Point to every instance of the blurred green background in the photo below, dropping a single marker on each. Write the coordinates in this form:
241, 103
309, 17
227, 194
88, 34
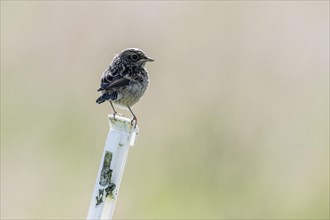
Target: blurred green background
234, 125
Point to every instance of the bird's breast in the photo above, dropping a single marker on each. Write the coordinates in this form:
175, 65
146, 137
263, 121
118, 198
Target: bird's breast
131, 94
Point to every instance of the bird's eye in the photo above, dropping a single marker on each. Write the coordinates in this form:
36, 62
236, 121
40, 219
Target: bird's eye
134, 57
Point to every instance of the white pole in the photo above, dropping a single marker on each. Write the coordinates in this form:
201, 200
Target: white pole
121, 136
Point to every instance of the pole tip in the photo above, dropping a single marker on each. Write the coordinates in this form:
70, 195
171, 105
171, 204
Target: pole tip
122, 124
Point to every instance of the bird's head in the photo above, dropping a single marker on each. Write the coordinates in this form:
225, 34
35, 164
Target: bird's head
134, 56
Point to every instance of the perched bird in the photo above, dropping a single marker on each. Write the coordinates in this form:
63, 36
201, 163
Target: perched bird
125, 80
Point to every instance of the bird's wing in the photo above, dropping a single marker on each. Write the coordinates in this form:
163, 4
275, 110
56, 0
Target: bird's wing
110, 76
111, 81
119, 82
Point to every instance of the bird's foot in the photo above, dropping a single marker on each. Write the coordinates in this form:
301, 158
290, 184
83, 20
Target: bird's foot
115, 114
134, 121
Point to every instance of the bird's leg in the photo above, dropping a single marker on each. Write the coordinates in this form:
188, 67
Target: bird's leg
114, 110
134, 117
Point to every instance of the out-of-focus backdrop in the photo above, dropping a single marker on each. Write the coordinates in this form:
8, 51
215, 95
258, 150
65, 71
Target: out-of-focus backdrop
234, 125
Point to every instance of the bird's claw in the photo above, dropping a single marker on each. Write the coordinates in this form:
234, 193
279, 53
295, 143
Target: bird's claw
116, 114
134, 121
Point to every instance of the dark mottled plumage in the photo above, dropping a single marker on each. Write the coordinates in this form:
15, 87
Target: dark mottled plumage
126, 79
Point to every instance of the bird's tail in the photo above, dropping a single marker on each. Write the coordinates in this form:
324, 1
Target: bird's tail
106, 97
100, 100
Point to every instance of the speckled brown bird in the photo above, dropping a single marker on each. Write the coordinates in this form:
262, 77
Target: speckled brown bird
125, 81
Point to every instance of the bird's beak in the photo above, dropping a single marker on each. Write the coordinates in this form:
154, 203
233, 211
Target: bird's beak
148, 59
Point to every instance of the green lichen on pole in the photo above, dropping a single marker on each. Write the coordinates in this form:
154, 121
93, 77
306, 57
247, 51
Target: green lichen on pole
105, 179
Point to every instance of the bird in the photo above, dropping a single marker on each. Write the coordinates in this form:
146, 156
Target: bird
125, 81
